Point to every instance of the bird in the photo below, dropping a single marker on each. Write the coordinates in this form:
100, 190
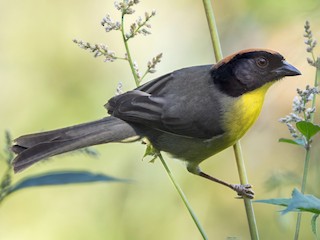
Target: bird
191, 113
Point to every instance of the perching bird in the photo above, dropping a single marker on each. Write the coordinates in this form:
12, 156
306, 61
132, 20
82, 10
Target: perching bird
192, 113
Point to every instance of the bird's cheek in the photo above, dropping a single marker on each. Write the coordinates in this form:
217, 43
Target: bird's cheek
242, 73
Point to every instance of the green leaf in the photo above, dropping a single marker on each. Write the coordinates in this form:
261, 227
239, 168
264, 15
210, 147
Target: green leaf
305, 203
276, 201
314, 224
150, 151
308, 129
62, 178
298, 141
298, 202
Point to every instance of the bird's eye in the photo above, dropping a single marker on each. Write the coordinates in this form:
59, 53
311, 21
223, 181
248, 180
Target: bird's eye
262, 62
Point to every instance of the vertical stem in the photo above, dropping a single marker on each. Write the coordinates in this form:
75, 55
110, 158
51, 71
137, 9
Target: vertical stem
125, 40
247, 202
316, 84
307, 157
237, 147
305, 171
184, 199
213, 29
303, 189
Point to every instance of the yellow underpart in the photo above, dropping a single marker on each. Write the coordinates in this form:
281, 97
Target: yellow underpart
244, 112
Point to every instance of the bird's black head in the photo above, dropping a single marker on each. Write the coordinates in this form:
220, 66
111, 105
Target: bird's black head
250, 69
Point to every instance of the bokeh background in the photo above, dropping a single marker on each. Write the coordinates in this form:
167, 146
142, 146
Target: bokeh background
47, 82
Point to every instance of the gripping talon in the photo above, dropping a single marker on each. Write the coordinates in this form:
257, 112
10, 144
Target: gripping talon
243, 190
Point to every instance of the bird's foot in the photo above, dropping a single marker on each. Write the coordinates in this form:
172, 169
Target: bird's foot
243, 190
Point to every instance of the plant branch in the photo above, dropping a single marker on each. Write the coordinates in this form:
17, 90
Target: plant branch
303, 189
237, 147
247, 202
183, 197
316, 84
315, 62
213, 30
125, 41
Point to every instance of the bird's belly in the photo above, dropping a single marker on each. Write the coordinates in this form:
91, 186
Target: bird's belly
191, 150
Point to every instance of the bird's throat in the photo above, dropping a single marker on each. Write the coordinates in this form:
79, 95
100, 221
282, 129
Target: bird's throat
244, 112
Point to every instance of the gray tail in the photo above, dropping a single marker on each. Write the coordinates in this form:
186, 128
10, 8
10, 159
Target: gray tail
35, 147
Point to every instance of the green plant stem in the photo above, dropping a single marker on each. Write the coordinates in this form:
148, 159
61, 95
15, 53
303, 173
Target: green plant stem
237, 147
305, 171
183, 197
247, 202
316, 84
303, 189
5, 182
125, 40
307, 157
213, 30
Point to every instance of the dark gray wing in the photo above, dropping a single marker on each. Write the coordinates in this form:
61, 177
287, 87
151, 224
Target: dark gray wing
183, 102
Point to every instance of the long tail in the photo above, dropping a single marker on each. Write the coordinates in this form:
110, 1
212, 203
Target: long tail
35, 147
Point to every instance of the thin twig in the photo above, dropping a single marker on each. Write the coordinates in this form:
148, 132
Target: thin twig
184, 198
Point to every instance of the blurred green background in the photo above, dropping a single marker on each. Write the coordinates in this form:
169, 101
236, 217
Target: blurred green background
48, 82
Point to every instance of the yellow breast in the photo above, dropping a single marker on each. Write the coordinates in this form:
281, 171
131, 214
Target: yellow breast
244, 112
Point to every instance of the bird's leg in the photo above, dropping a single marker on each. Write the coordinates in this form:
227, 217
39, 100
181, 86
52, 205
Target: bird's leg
242, 190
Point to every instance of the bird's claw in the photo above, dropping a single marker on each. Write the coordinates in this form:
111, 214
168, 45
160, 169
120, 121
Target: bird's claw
243, 190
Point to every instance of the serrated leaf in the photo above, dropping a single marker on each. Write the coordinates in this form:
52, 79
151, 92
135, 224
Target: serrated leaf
305, 203
314, 224
298, 202
308, 129
275, 201
62, 178
297, 141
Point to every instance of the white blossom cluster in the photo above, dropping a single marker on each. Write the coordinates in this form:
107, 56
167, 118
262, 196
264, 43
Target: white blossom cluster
300, 109
97, 49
